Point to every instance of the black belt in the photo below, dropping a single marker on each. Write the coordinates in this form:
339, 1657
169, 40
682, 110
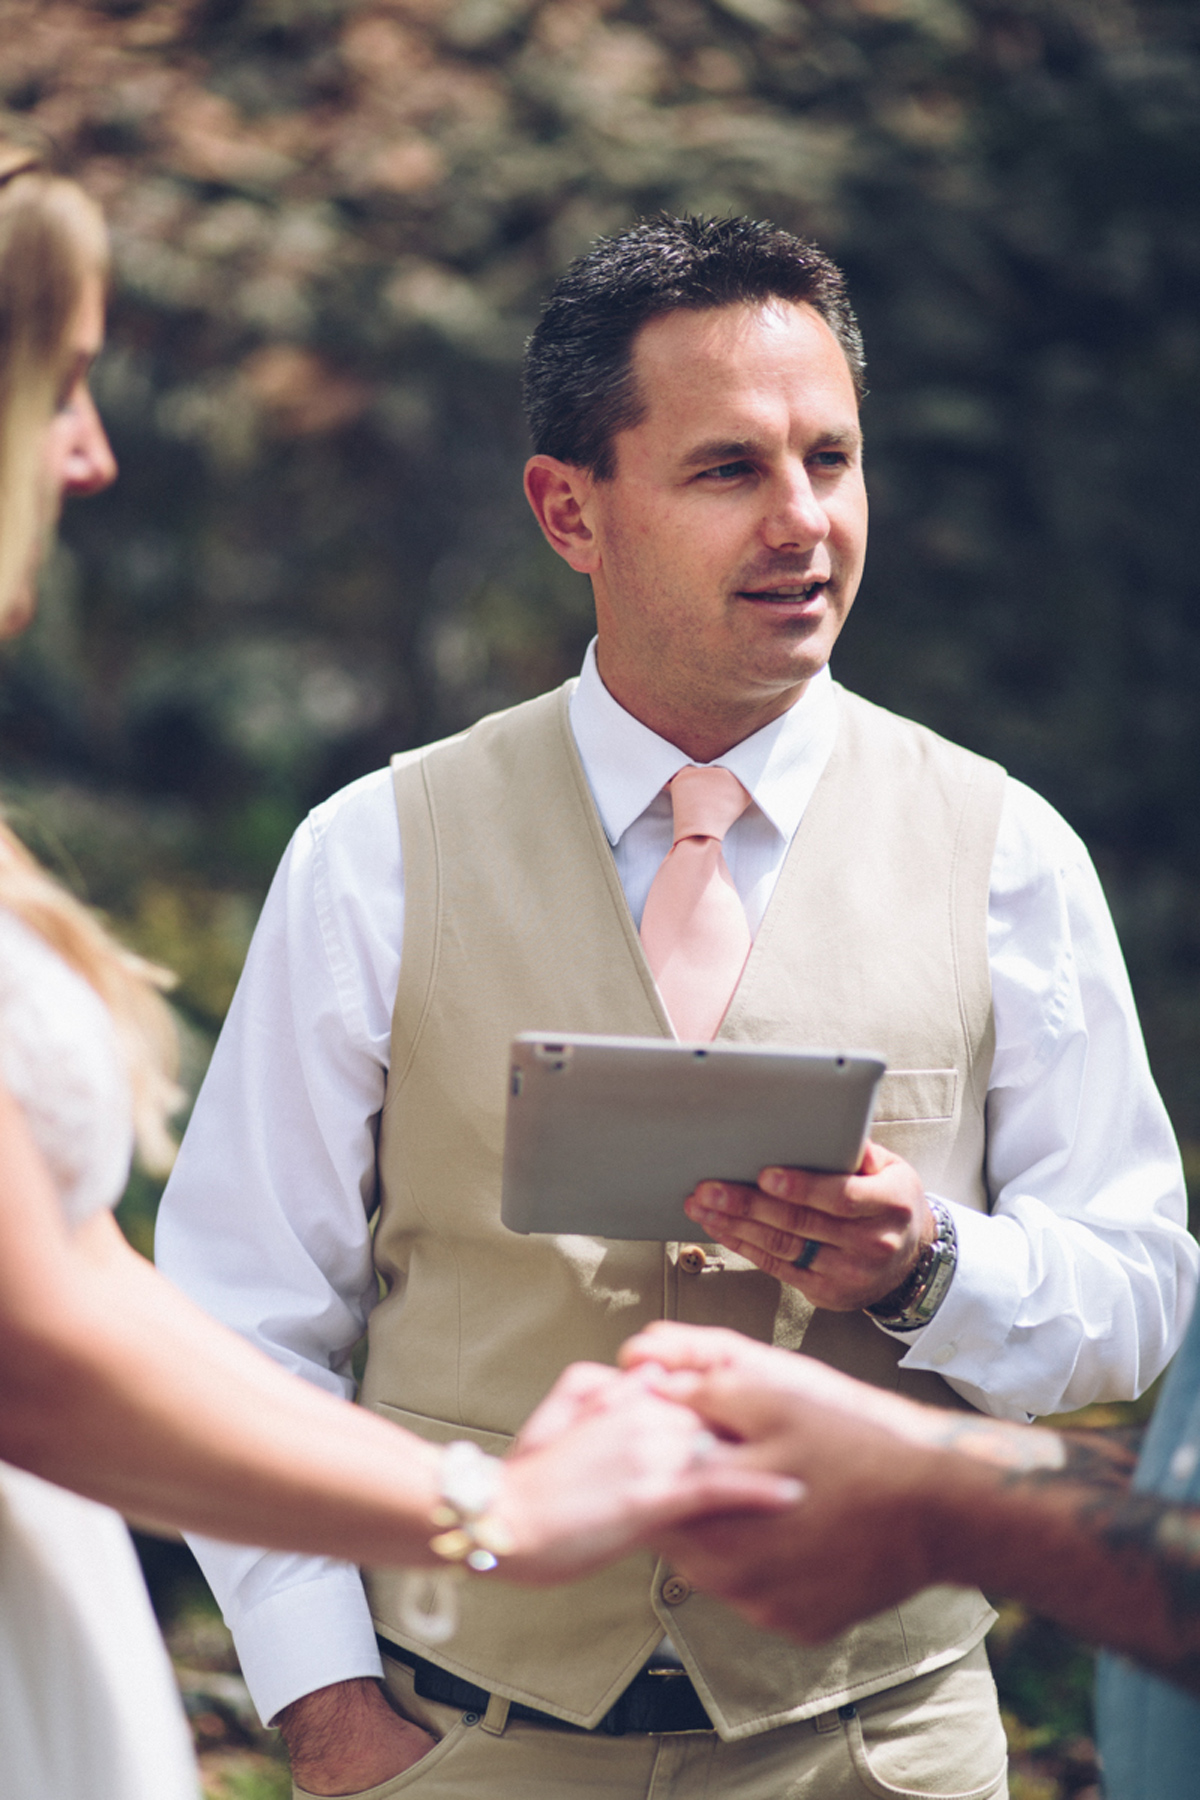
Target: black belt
656, 1700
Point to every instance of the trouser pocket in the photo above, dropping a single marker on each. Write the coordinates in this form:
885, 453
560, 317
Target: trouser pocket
937, 1738
407, 1778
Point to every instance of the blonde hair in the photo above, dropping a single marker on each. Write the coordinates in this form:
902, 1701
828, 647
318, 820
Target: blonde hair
52, 238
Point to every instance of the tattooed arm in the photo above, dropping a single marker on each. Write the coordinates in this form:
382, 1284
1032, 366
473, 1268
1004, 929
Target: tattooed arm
900, 1497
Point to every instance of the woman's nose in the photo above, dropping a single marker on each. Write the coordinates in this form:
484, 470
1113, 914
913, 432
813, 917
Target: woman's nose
88, 463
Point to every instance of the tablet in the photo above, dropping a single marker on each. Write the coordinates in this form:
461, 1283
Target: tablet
607, 1136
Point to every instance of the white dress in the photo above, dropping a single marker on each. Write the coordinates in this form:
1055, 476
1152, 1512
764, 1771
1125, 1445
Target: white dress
88, 1705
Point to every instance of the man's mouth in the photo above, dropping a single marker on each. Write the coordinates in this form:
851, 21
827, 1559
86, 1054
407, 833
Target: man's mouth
796, 593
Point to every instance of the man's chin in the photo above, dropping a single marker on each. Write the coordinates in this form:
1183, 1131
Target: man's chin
791, 657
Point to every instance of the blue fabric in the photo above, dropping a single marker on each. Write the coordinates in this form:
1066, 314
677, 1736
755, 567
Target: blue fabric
1148, 1730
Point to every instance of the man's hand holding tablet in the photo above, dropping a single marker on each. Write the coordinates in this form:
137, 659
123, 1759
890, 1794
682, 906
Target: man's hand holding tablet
869, 1227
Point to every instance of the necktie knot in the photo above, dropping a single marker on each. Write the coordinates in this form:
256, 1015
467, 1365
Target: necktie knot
706, 802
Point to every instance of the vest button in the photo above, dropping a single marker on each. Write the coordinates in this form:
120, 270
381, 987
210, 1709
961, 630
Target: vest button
675, 1590
692, 1259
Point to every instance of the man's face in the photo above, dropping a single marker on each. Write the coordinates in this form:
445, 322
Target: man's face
729, 544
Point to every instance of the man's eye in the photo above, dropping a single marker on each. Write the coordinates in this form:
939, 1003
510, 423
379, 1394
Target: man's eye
831, 459
726, 471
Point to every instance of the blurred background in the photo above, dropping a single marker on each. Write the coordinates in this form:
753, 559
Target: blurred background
333, 224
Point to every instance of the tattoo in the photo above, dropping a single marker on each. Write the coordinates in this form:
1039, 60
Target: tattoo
1102, 1459
1152, 1544
1151, 1536
1019, 1450
1168, 1536
1163, 1538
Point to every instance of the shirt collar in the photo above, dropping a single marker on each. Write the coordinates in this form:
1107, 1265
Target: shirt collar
628, 765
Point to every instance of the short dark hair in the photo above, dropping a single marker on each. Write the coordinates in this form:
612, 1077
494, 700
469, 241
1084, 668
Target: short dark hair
579, 386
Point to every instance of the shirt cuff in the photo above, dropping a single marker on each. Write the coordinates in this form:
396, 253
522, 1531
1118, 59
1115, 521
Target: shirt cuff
965, 1340
301, 1638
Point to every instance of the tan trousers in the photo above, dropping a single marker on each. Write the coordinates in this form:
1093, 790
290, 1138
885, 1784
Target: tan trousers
937, 1738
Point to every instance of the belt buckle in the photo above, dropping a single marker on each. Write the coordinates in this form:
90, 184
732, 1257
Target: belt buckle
637, 1709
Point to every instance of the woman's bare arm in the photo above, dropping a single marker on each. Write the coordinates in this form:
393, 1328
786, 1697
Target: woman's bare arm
116, 1385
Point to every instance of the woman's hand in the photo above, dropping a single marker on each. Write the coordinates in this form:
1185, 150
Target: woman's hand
605, 1463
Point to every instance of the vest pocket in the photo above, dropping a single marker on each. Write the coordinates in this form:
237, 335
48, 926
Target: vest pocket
441, 1431
916, 1097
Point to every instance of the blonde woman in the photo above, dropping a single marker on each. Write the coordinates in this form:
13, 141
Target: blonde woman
111, 1384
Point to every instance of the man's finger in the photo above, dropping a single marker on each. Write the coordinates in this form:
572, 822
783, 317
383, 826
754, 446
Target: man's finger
875, 1159
835, 1196
739, 1409
786, 1242
731, 1488
736, 1205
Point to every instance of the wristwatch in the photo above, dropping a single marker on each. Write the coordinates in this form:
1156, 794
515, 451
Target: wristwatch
915, 1301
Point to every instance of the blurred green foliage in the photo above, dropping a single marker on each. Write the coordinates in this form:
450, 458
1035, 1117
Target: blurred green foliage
333, 222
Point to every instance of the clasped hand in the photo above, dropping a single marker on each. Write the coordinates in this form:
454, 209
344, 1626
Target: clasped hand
854, 1543
662, 1452
869, 1227
605, 1463
610, 1460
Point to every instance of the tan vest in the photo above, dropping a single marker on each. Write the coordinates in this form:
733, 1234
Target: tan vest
515, 920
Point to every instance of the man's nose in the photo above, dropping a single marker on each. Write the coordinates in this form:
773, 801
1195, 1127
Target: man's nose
89, 464
795, 516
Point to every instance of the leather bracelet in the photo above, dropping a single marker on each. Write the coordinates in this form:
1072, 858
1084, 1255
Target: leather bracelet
914, 1303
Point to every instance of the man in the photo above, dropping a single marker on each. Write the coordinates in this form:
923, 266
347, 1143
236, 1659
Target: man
899, 1497
693, 395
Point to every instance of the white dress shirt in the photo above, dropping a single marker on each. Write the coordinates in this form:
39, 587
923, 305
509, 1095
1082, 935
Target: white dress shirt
1075, 1288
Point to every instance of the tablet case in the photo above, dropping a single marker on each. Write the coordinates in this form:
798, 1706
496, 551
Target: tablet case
607, 1136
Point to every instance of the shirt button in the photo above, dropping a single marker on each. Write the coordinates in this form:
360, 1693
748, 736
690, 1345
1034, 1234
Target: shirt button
943, 1354
675, 1590
692, 1259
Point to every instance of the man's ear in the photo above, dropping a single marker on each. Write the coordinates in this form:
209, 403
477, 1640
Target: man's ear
559, 493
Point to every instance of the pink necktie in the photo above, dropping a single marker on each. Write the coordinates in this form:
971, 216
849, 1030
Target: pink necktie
694, 929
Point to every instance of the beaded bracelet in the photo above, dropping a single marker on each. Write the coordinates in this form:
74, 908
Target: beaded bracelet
468, 1482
